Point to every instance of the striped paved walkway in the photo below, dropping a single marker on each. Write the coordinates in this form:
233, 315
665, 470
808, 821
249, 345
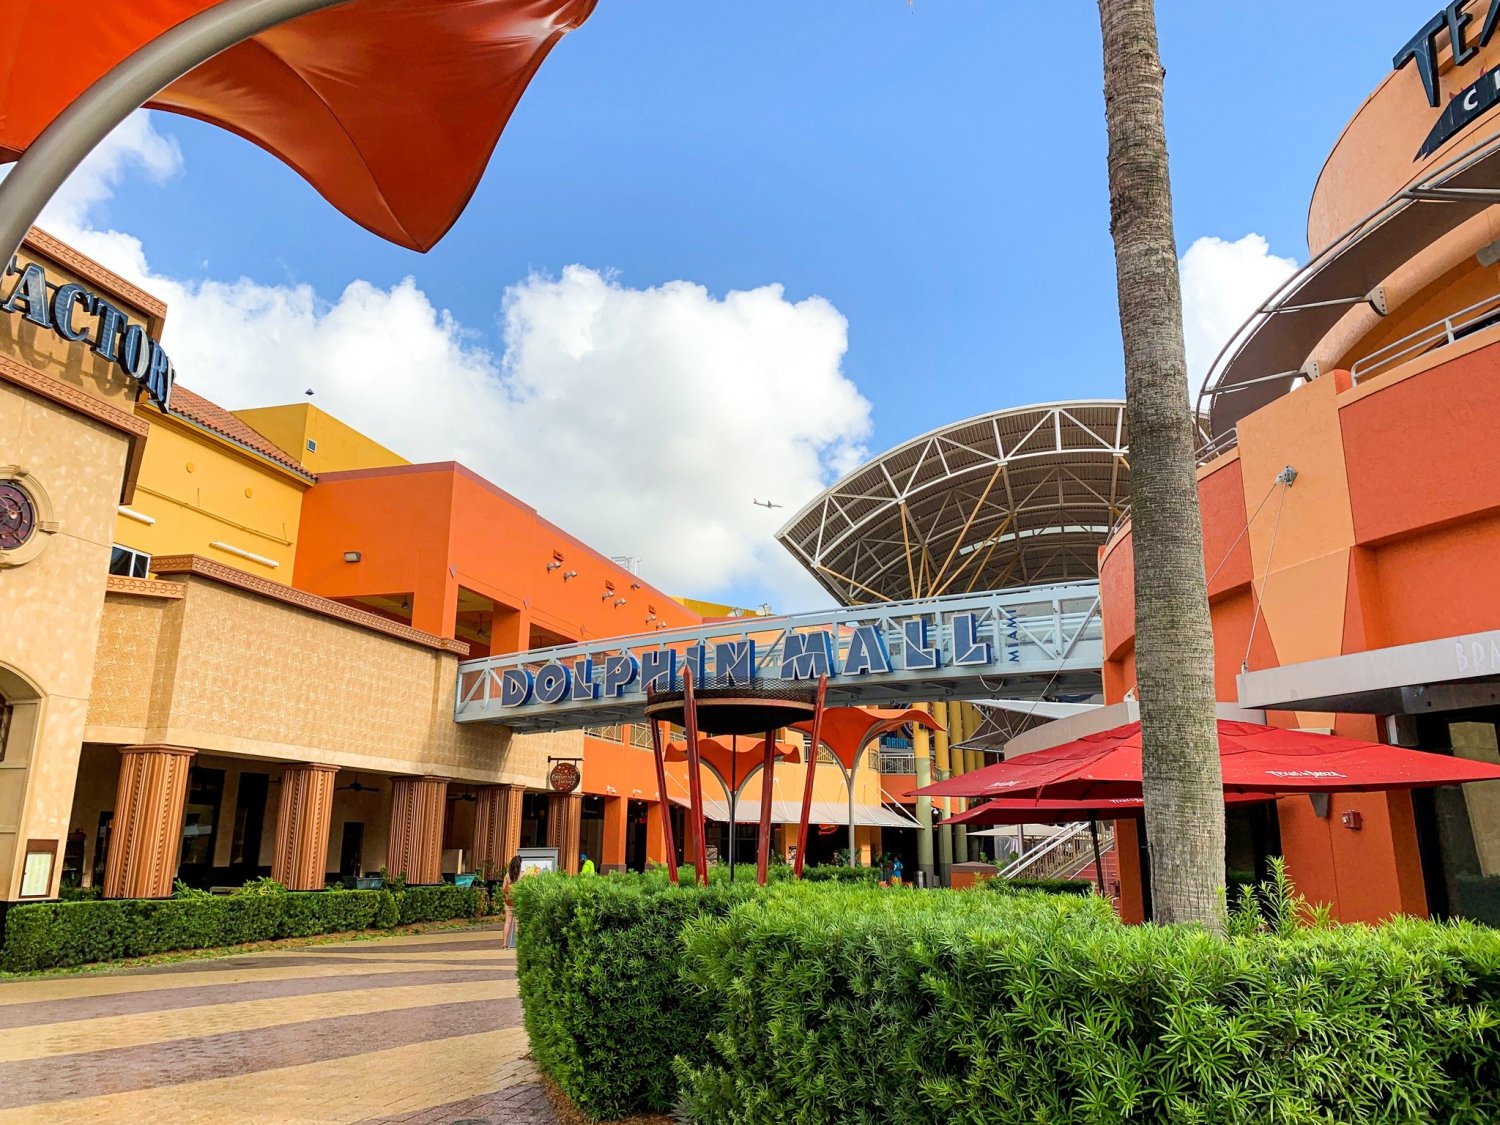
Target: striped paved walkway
413, 1028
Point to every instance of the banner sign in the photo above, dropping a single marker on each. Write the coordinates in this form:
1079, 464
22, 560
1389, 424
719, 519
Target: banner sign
67, 309
883, 653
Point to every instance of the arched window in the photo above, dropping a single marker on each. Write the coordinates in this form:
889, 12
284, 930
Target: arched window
5, 710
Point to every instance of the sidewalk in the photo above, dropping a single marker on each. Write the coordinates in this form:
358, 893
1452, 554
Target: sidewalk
411, 1028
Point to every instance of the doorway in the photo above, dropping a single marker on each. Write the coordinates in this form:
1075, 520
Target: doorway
352, 849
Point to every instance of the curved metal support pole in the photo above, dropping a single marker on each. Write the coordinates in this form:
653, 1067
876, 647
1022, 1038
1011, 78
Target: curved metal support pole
78, 129
669, 844
695, 777
814, 741
763, 843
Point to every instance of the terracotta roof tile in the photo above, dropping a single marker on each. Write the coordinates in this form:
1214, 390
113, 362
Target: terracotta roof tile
195, 408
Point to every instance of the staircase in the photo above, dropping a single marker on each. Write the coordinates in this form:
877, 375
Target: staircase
1111, 859
1069, 855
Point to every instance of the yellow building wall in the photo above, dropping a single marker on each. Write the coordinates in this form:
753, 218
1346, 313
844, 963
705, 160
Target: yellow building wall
339, 446
202, 490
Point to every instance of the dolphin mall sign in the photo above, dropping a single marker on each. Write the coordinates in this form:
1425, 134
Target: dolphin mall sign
1019, 641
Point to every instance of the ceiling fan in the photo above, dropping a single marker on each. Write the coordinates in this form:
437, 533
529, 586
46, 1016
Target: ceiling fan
356, 786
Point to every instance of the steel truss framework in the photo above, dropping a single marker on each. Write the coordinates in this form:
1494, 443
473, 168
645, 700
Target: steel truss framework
1012, 498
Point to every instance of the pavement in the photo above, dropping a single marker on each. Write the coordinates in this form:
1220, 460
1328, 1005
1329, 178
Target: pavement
411, 1028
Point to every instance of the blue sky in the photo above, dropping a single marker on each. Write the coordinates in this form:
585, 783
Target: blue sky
935, 172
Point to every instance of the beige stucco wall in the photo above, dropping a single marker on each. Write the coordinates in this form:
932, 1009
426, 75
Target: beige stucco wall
225, 670
49, 613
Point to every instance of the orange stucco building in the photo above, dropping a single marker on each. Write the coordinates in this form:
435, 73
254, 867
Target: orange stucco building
1355, 593
229, 641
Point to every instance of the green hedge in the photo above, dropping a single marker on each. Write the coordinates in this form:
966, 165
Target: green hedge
52, 935
598, 968
441, 902
831, 1003
1051, 886
874, 1007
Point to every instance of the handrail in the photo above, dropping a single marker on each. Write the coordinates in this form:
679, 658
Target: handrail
1029, 859
1438, 334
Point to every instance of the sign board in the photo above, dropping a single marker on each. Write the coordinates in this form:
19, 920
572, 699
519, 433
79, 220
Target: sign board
565, 777
82, 317
874, 654
1460, 26
538, 859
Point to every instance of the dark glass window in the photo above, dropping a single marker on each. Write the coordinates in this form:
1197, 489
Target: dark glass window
128, 563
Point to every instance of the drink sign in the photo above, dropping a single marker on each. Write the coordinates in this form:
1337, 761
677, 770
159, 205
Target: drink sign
565, 777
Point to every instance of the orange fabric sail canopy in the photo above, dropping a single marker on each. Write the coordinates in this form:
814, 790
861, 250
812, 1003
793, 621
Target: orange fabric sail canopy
389, 108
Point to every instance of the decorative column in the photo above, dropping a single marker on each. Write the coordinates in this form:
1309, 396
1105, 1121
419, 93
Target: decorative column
497, 827
942, 770
616, 833
301, 859
656, 840
146, 839
414, 845
564, 823
960, 764
922, 758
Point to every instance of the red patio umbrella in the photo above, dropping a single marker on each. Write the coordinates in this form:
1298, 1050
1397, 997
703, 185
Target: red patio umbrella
1046, 810
1255, 758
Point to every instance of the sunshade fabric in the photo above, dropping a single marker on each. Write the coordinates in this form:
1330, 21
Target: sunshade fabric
848, 730
747, 811
1255, 758
1043, 810
389, 108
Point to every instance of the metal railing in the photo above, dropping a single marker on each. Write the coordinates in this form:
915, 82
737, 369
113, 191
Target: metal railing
1061, 856
898, 763
1438, 334
609, 733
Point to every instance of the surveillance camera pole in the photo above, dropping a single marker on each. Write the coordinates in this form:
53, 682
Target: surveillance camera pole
135, 80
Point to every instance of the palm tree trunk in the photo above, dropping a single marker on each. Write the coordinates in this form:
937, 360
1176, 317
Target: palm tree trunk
1174, 639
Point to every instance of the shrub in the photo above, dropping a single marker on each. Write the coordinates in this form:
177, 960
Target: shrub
52, 935
48, 935
858, 1005
1050, 886
439, 903
598, 966
839, 873
330, 912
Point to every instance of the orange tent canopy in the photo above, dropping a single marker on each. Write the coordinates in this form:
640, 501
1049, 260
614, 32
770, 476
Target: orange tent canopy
736, 763
389, 108
848, 730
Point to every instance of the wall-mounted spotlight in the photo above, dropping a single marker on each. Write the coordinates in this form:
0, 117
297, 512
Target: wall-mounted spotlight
650, 617
619, 602
553, 565
604, 597
352, 556
569, 574
635, 585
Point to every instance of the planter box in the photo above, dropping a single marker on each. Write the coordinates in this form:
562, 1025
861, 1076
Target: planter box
362, 882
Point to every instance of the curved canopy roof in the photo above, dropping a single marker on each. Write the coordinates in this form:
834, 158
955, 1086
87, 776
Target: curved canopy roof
1263, 360
1014, 498
389, 108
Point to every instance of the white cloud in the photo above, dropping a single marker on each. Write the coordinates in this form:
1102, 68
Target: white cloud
1222, 283
642, 420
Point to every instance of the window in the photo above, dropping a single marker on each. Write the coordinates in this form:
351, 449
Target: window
312, 446
128, 563
5, 711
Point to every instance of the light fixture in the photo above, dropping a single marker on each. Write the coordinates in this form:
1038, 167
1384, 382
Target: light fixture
635, 585
619, 602
553, 565
352, 556
604, 597
569, 574
650, 617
